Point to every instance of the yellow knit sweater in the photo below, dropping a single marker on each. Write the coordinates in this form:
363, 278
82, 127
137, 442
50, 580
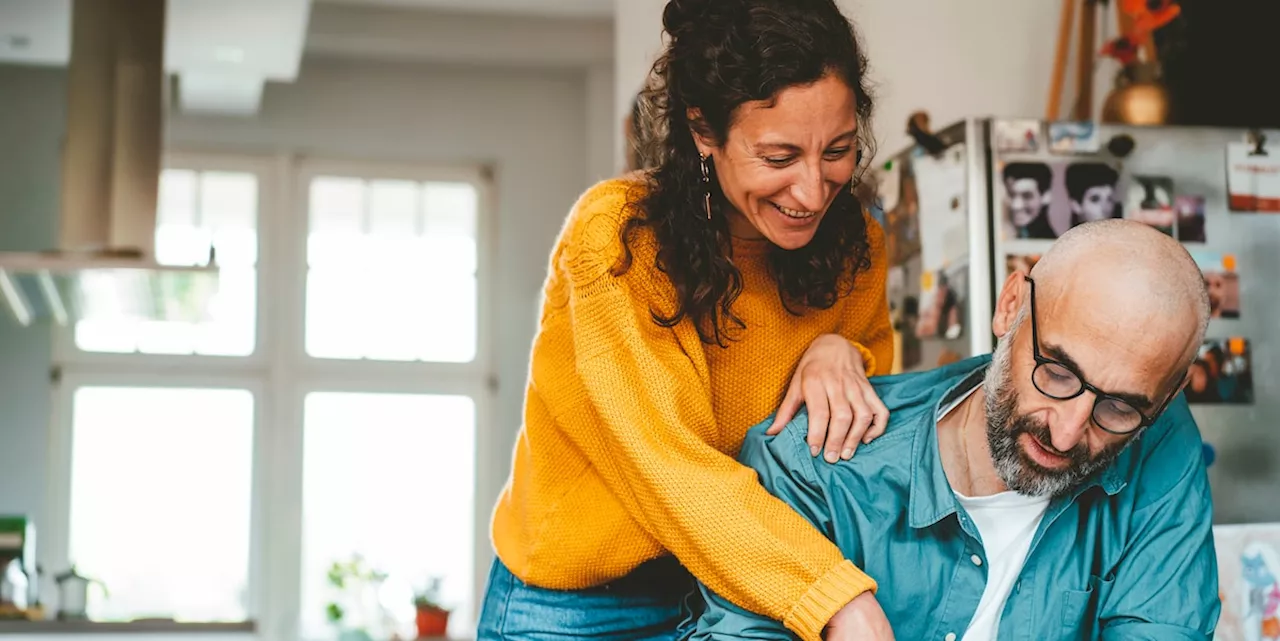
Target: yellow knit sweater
630, 432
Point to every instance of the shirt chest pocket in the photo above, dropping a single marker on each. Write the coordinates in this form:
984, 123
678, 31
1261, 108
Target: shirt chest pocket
1080, 609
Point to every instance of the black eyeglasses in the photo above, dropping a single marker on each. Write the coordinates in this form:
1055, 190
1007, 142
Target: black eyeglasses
1061, 382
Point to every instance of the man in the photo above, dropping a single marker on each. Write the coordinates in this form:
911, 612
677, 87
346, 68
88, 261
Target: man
1053, 490
1027, 190
1091, 188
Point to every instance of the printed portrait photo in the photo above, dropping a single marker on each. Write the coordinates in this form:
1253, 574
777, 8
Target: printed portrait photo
1222, 281
1150, 201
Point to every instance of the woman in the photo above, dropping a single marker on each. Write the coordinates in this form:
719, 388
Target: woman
682, 307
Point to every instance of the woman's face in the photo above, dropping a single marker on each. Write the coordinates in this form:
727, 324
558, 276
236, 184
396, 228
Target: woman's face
783, 162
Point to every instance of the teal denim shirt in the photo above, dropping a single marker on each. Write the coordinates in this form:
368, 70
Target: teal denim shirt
1127, 556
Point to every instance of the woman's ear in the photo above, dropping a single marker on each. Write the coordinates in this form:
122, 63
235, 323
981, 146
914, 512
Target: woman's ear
697, 125
1009, 303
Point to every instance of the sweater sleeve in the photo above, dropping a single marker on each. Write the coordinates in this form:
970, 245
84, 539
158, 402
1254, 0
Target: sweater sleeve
645, 428
866, 316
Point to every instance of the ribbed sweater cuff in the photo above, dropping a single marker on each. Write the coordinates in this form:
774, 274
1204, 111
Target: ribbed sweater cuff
831, 592
868, 359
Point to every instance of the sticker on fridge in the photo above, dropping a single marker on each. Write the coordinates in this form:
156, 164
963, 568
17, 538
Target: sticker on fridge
1150, 200
1074, 138
1223, 282
1190, 210
1222, 373
1248, 581
1253, 179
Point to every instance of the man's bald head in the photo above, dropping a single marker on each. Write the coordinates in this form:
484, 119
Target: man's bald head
1140, 277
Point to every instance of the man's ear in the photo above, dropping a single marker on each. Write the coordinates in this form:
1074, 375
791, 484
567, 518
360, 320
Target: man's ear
697, 127
1009, 303
1047, 197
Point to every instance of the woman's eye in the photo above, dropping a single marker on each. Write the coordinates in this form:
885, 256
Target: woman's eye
779, 161
837, 154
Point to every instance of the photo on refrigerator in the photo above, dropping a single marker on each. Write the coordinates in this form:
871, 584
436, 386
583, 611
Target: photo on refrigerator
1222, 373
1223, 282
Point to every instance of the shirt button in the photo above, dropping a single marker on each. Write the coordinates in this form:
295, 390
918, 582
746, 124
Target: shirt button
951, 636
977, 560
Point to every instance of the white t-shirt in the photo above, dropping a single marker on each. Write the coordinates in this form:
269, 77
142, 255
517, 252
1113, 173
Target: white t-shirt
1006, 522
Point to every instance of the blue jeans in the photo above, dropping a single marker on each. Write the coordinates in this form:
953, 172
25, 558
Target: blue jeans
652, 603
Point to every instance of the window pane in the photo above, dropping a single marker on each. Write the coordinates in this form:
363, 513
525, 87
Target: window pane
198, 211
392, 270
390, 478
160, 501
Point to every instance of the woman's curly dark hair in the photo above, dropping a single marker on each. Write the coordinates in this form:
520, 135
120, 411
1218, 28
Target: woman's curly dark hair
721, 54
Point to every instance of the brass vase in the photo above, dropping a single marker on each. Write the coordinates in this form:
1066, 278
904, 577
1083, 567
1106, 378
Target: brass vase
1138, 98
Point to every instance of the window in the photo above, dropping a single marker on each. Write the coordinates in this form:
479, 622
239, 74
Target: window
160, 496
387, 478
199, 211
392, 270
330, 405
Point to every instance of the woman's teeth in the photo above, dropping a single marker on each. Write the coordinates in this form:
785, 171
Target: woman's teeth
794, 213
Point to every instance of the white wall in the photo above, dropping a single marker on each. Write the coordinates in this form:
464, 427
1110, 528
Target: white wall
954, 59
637, 29
32, 121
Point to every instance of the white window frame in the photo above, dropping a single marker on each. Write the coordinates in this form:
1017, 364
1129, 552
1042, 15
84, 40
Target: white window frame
280, 374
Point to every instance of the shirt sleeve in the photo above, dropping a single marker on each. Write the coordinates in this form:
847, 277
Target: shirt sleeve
645, 427
785, 468
866, 318
1167, 585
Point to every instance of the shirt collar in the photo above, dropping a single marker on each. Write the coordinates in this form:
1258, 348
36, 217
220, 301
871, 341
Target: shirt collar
931, 498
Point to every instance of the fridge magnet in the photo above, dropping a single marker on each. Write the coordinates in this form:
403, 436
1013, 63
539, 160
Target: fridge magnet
1091, 192
1190, 211
1074, 138
1026, 200
904, 313
1150, 200
1223, 283
1253, 178
1022, 263
1222, 373
1249, 581
1017, 136
942, 310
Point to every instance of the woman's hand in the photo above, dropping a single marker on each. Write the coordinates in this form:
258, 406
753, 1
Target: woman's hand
844, 410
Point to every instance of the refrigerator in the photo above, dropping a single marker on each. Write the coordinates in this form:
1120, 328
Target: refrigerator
987, 195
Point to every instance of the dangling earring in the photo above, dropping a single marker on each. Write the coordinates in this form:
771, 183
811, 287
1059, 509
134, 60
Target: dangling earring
706, 184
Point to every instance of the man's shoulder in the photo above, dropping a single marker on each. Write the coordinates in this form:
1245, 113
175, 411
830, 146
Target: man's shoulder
1167, 458
911, 399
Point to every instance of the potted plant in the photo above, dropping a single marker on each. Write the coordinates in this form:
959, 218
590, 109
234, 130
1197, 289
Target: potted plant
355, 609
432, 617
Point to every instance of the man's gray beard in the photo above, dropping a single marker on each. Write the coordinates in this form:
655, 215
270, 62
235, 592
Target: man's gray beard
1004, 426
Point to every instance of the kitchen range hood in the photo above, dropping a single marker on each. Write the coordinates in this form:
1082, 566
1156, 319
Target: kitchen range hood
104, 264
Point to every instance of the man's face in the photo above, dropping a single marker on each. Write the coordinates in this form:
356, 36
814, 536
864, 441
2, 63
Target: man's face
1022, 442
1098, 203
1042, 446
1025, 200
